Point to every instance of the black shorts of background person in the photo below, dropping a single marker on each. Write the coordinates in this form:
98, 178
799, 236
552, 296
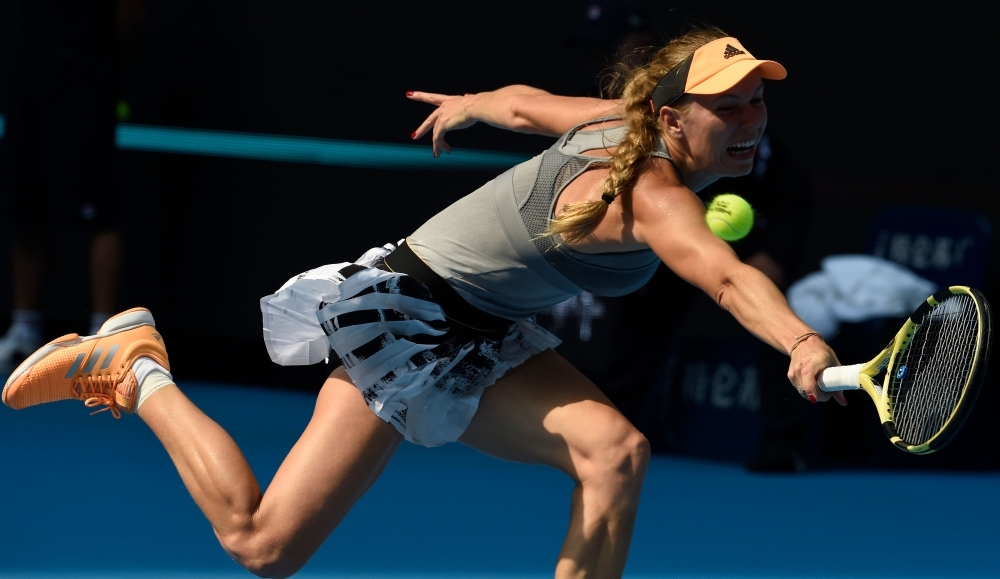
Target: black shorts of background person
58, 161
61, 162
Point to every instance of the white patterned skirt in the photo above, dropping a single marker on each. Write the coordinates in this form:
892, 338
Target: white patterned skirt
417, 370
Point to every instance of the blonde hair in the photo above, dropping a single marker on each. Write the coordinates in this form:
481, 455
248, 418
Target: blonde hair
634, 86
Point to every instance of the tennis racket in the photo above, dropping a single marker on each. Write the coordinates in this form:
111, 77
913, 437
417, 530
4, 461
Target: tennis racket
925, 382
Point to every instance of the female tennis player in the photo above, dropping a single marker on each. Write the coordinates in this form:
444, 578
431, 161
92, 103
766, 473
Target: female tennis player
436, 333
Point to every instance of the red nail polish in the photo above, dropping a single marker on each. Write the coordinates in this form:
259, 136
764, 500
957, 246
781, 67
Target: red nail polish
413, 135
409, 93
812, 399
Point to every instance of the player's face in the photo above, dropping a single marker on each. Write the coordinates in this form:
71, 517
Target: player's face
722, 131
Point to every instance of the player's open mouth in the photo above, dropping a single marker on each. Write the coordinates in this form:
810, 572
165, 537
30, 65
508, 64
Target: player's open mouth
742, 148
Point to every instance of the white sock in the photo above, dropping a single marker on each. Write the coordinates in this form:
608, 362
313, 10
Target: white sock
151, 377
97, 320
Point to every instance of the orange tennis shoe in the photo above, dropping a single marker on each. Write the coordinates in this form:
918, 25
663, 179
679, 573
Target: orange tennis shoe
94, 369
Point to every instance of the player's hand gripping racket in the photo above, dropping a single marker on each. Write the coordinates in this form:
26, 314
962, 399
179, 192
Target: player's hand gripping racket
925, 382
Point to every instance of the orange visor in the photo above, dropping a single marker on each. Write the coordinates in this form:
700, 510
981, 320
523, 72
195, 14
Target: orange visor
712, 69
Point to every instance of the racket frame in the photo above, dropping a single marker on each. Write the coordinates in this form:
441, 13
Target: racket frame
886, 361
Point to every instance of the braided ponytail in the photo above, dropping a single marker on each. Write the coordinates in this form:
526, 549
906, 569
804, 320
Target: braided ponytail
633, 86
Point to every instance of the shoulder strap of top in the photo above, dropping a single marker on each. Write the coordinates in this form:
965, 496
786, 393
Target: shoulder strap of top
575, 141
569, 134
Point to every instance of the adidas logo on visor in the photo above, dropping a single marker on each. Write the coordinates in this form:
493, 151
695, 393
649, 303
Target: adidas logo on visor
732, 51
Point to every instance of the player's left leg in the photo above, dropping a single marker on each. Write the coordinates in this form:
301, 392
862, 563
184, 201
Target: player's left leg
545, 411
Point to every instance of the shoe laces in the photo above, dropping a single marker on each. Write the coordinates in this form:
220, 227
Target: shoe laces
98, 391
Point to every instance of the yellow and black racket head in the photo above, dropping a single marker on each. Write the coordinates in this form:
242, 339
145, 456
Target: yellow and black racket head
935, 374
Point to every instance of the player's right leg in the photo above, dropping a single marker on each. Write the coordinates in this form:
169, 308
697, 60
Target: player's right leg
341, 453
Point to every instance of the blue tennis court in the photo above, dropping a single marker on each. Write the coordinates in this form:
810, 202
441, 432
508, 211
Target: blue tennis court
93, 497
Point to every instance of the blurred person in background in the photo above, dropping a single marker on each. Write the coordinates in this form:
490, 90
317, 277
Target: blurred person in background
59, 157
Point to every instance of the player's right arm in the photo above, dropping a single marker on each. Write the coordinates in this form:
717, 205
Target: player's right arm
671, 221
518, 108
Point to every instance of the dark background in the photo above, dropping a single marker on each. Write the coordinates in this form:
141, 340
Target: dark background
885, 103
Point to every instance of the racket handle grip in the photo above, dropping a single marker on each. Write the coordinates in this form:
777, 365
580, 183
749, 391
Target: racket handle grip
840, 378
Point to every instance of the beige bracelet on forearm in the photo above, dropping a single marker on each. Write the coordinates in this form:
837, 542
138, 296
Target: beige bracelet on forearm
802, 338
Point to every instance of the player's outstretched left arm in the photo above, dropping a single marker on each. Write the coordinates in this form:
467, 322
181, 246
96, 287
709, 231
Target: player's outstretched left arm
518, 108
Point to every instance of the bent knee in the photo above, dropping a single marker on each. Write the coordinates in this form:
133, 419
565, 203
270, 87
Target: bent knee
262, 556
633, 454
620, 457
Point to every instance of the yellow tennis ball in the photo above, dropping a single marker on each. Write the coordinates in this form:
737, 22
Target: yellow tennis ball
729, 216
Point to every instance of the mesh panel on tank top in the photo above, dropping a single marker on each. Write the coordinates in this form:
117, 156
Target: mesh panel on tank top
554, 172
601, 278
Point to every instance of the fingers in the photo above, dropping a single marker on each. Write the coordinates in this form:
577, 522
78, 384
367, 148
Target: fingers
805, 393
804, 379
435, 123
427, 97
426, 125
807, 362
813, 393
806, 388
439, 142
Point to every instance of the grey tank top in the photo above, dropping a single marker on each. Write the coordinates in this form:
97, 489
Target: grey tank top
488, 245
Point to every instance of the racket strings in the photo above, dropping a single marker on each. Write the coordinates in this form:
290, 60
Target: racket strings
927, 382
